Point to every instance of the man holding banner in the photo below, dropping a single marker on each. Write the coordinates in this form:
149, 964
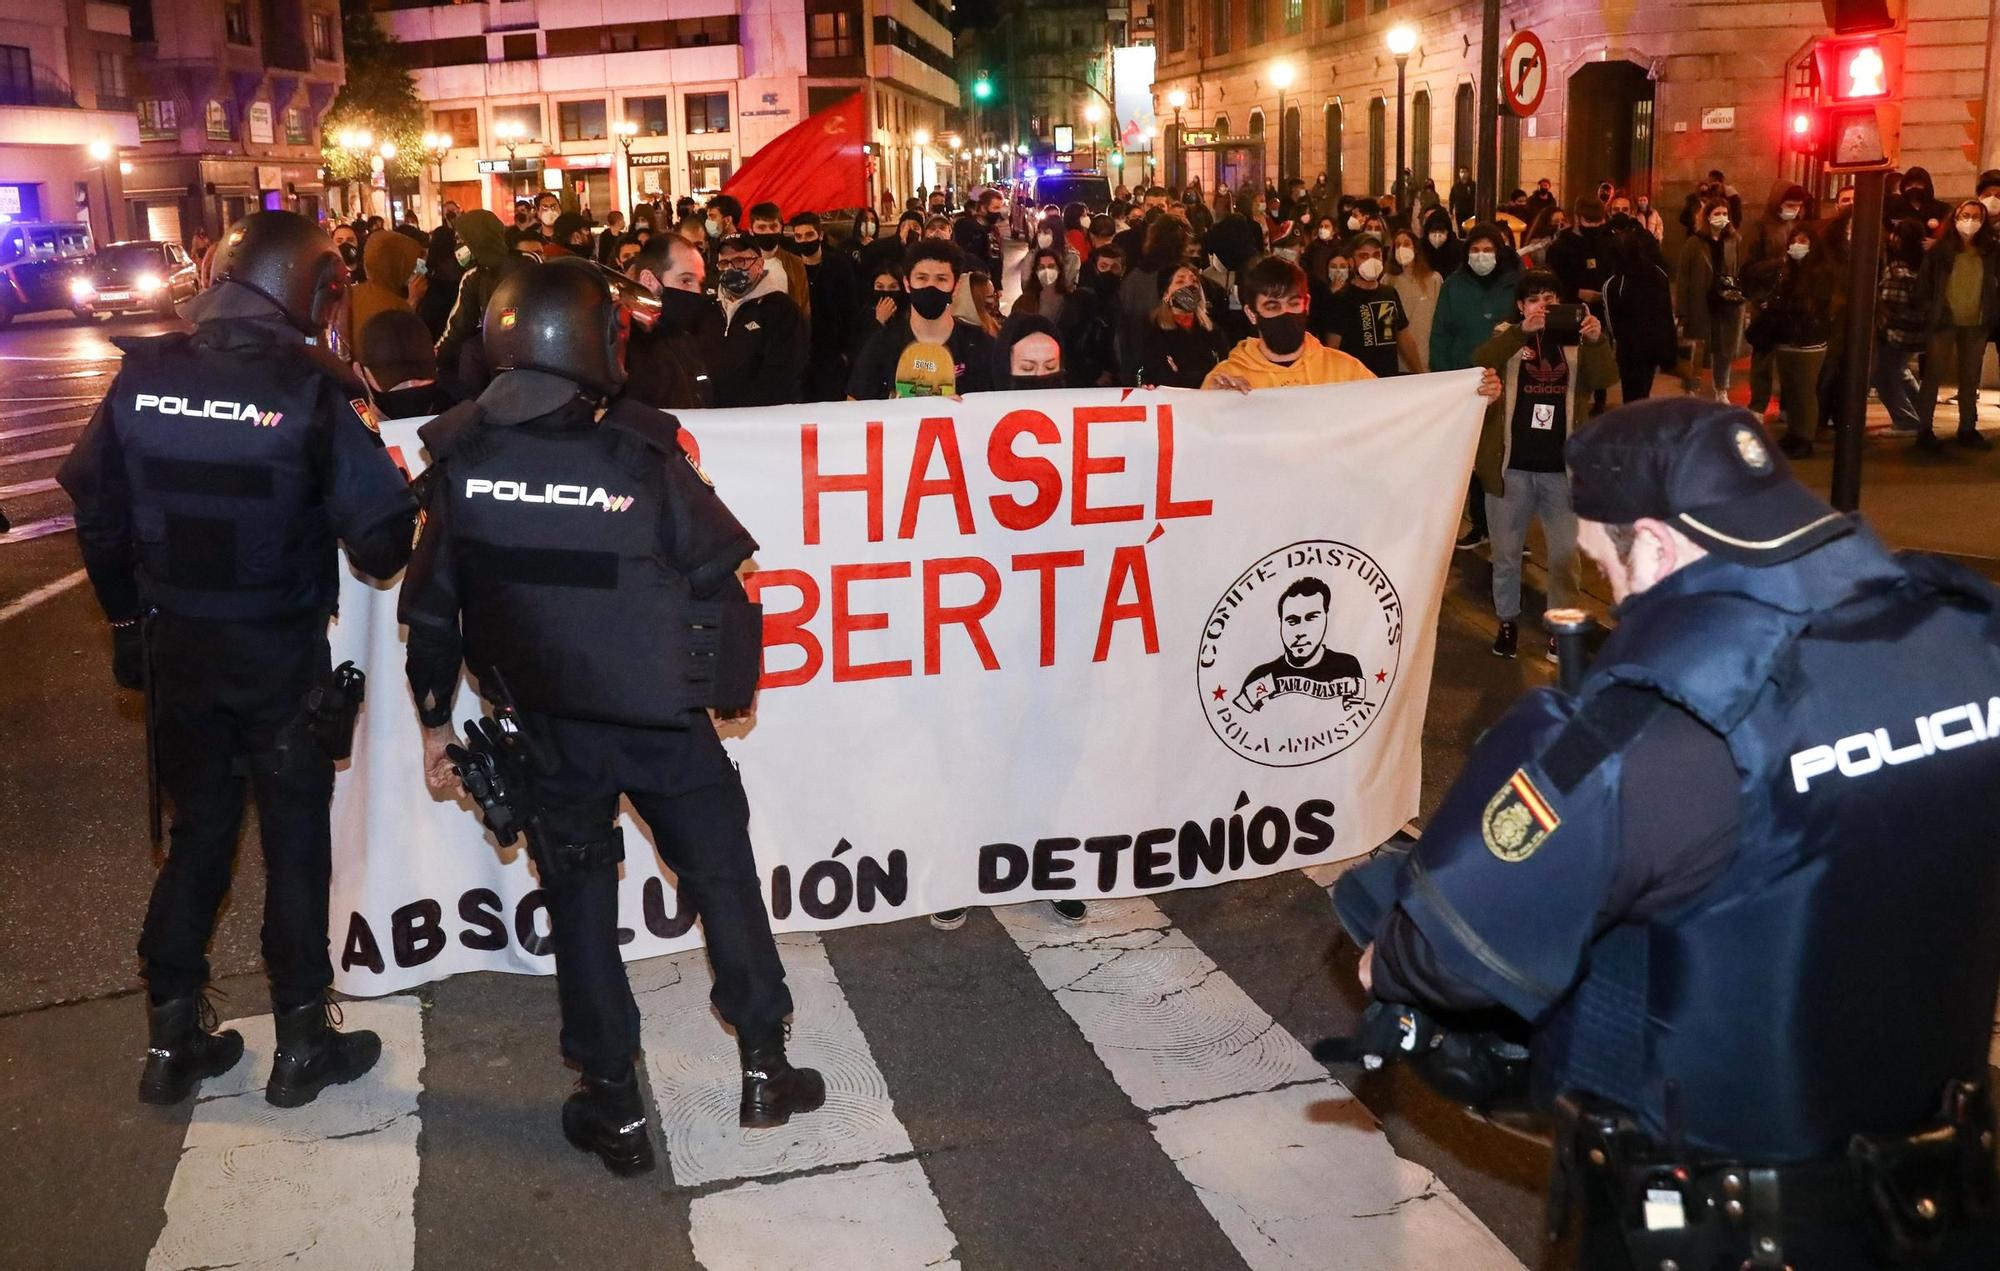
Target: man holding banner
588, 569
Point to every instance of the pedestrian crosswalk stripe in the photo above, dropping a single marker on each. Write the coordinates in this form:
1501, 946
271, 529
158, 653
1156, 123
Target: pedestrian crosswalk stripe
1283, 1157
330, 1185
691, 1065
33, 456
879, 1215
808, 1220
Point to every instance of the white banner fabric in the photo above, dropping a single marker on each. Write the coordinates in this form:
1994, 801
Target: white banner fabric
1053, 645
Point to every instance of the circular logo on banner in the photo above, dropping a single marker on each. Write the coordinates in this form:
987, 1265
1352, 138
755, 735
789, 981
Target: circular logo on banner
1300, 654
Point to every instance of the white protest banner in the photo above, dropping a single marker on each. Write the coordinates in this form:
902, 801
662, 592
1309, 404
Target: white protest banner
1025, 645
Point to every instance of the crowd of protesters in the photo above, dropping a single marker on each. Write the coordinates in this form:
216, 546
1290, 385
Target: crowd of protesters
1261, 287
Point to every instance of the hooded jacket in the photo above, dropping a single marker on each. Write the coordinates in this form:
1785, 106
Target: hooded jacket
388, 259
458, 351
1470, 308
1316, 364
1924, 207
758, 357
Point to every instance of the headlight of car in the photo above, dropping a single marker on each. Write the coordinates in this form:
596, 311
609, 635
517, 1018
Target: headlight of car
80, 289
148, 284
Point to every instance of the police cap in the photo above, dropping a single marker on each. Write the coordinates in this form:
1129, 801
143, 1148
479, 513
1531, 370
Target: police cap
1707, 469
560, 317
290, 261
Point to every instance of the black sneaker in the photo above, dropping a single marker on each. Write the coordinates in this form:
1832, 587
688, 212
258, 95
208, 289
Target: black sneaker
1070, 911
1474, 537
948, 919
1795, 447
1508, 641
1970, 440
1927, 441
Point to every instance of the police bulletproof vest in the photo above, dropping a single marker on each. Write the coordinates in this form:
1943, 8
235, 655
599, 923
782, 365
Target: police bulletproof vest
219, 448
1843, 969
566, 586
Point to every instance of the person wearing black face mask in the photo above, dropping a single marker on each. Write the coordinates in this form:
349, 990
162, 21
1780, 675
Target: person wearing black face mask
977, 233
883, 303
835, 293
760, 359
667, 365
930, 275
1183, 343
1028, 354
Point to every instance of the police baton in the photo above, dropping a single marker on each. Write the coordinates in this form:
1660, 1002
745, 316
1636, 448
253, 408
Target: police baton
1571, 627
152, 729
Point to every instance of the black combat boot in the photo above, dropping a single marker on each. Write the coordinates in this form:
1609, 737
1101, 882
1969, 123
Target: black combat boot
182, 1049
606, 1117
312, 1055
773, 1090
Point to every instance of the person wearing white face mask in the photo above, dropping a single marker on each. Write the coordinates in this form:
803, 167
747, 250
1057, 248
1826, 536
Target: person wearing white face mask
1417, 286
1961, 276
1796, 324
1476, 300
1366, 319
1708, 295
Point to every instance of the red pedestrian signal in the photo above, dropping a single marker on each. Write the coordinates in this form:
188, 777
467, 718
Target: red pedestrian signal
1861, 79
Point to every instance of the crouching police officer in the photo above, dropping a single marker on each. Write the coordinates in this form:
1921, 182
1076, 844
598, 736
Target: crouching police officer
210, 489
586, 572
1742, 883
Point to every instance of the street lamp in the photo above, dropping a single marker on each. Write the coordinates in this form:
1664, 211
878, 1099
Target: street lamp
510, 133
626, 131
101, 152
1281, 79
1093, 115
1178, 99
1402, 41
356, 142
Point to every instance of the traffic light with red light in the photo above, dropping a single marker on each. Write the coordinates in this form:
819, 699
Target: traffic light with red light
1802, 128
1861, 78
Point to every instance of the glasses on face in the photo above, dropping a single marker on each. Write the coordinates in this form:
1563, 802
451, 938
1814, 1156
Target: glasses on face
735, 262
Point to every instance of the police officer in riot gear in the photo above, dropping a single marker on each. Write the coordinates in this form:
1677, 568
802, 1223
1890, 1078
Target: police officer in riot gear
1741, 883
211, 489
578, 560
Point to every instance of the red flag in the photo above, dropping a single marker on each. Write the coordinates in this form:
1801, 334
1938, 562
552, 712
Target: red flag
814, 166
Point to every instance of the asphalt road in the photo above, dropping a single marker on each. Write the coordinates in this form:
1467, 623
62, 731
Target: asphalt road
1033, 1151
990, 1115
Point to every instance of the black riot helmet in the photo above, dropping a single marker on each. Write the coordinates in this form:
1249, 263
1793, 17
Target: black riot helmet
560, 317
288, 260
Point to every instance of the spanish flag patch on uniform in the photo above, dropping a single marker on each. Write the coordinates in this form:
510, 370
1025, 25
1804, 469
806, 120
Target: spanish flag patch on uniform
1517, 819
367, 413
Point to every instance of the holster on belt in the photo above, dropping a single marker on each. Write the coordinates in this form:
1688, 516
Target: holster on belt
1912, 1191
322, 730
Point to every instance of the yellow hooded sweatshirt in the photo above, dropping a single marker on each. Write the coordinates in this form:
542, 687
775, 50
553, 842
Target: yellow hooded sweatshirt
1316, 364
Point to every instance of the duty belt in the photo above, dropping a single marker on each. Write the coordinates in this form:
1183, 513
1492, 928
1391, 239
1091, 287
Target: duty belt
1911, 1191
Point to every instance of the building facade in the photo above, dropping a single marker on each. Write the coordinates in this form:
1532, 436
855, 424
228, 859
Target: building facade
65, 113
1648, 96
531, 92
228, 96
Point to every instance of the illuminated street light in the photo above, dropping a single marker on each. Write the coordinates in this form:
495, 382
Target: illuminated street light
1093, 114
387, 151
100, 150
921, 137
1281, 75
1177, 99
1402, 41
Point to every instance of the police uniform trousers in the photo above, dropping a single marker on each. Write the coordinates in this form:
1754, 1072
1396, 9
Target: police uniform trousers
1849, 1246
684, 788
222, 691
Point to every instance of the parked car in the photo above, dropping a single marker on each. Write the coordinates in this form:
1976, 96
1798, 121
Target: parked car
38, 260
1062, 188
139, 276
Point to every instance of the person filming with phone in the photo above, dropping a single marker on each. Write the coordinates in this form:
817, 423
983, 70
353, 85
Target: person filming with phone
1550, 361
